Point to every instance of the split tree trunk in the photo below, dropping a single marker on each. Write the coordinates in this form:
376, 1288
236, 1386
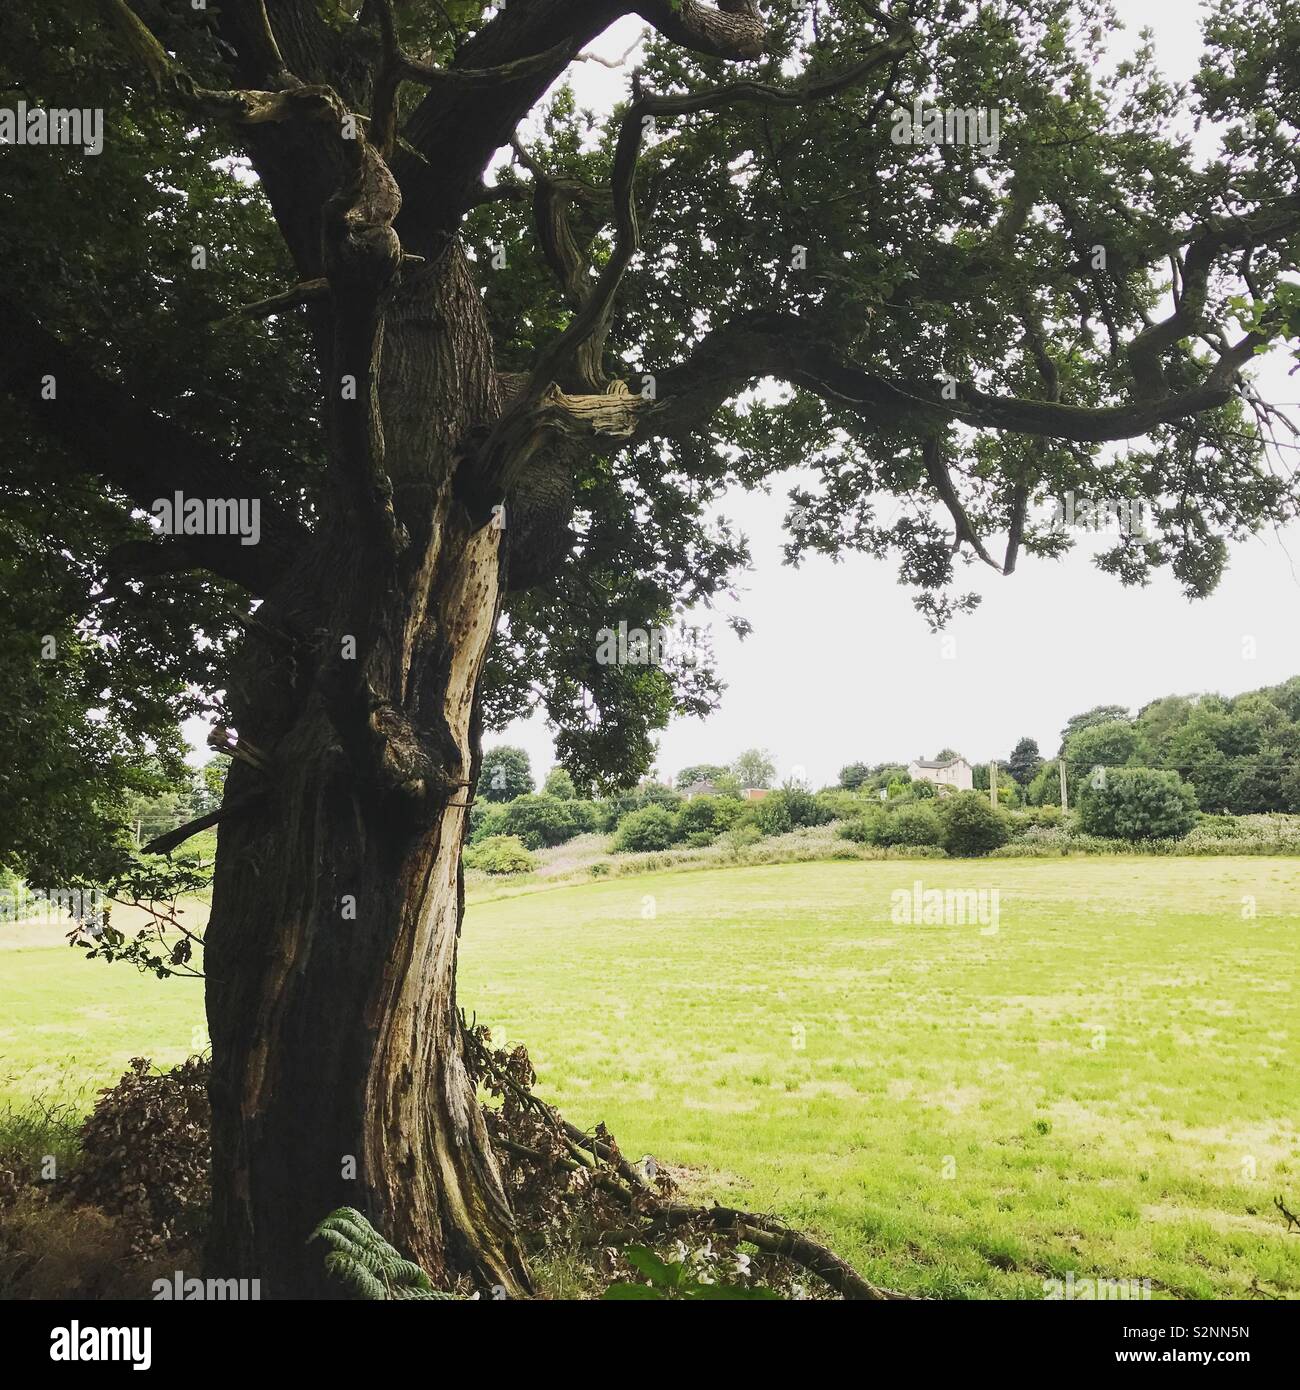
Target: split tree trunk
331, 952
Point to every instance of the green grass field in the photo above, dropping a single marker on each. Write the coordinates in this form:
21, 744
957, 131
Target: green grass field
1106, 1085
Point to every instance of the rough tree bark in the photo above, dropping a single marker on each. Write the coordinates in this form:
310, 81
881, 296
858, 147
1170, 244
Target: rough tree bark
331, 951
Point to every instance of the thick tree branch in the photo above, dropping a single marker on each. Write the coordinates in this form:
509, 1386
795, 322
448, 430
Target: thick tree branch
789, 348
568, 262
456, 129
308, 292
734, 29
1187, 319
941, 481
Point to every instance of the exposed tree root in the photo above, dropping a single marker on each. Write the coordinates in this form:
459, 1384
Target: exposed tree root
561, 1177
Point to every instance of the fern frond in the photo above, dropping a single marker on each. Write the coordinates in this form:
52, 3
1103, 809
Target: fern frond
364, 1263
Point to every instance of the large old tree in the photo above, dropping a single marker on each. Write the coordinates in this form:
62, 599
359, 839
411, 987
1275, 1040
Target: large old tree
487, 363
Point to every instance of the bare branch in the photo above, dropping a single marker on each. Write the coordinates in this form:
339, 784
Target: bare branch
171, 839
308, 292
941, 481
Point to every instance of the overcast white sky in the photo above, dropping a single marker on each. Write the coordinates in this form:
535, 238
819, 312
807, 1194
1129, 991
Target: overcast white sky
841, 667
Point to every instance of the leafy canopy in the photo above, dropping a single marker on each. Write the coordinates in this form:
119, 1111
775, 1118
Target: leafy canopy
806, 291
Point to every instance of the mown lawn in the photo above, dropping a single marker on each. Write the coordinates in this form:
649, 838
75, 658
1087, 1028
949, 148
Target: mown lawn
69, 1026
1107, 1085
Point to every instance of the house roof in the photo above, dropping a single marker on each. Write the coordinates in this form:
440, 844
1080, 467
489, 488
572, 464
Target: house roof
946, 762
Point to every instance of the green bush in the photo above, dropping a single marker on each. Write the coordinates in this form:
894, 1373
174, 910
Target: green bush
613, 808
803, 807
484, 820
913, 823
657, 794
971, 826
1045, 789
1138, 803
500, 854
650, 828
559, 785
772, 814
834, 804
697, 821
539, 820
865, 829
585, 814
740, 838
1221, 828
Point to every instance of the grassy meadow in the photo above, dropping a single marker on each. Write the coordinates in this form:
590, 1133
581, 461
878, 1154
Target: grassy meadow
1106, 1084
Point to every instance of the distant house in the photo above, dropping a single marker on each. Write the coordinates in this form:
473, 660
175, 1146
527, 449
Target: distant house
702, 787
754, 793
951, 774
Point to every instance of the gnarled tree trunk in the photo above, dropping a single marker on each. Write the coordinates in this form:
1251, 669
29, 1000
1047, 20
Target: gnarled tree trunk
331, 951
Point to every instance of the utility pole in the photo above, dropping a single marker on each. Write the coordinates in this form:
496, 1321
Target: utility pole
993, 785
1065, 798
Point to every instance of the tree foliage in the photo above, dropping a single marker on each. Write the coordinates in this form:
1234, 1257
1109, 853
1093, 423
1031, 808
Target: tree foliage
754, 768
970, 826
975, 262
1139, 803
506, 774
1024, 762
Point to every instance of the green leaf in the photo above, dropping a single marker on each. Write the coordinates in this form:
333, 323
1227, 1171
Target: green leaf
645, 1260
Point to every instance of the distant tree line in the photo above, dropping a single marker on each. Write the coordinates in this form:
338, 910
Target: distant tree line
1238, 755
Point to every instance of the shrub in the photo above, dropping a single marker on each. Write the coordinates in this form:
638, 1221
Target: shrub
1221, 828
657, 794
613, 808
834, 804
484, 820
586, 815
913, 823
650, 828
1138, 803
804, 807
739, 838
697, 821
772, 814
500, 854
51, 1249
1110, 744
865, 829
971, 826
1045, 789
539, 821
